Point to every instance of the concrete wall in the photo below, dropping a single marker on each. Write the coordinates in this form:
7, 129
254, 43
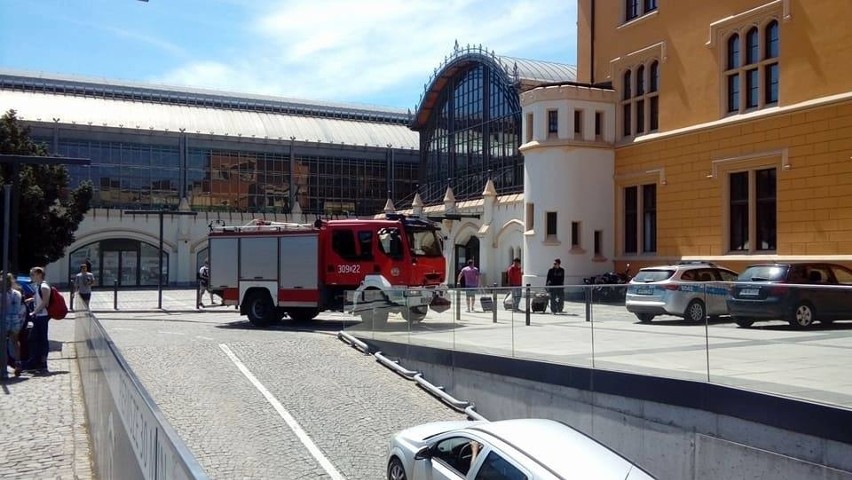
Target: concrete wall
130, 437
670, 440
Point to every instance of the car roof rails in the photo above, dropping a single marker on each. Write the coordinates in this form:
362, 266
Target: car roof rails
696, 262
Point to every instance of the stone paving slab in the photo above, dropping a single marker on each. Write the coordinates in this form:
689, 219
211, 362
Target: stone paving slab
43, 418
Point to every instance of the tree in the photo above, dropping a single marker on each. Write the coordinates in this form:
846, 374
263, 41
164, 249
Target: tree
48, 212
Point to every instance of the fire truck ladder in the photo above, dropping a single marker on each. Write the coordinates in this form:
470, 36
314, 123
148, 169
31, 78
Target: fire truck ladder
260, 225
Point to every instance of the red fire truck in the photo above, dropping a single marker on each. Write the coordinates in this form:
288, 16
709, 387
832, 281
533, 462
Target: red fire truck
371, 267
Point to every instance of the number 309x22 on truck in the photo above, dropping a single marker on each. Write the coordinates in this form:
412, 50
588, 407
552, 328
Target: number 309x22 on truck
370, 267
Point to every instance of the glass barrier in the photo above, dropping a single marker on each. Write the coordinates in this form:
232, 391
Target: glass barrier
777, 338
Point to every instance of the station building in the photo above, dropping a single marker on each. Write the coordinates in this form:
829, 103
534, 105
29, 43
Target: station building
228, 157
719, 131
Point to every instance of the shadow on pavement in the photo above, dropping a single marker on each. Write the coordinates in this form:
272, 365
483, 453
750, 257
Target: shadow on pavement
680, 322
337, 325
786, 327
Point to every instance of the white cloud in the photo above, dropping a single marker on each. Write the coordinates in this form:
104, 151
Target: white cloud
348, 51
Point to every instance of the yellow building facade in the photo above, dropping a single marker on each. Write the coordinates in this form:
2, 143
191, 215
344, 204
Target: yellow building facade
733, 127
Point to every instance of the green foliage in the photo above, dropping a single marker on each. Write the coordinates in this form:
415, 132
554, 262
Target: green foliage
48, 213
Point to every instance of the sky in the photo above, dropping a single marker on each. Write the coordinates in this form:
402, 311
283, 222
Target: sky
376, 52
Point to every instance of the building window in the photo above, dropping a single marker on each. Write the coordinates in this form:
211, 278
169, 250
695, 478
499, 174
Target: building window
552, 122
598, 243
578, 121
751, 80
752, 210
575, 234
550, 224
631, 224
637, 8
640, 199
631, 9
598, 124
649, 218
530, 217
640, 106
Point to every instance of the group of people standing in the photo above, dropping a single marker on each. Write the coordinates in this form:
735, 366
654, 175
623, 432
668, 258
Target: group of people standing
20, 312
469, 278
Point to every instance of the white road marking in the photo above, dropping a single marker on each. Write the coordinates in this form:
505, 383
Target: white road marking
203, 338
291, 422
170, 333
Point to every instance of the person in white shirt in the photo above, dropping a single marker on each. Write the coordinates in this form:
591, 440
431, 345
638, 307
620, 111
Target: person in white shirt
40, 319
204, 283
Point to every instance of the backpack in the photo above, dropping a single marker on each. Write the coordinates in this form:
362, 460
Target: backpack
56, 307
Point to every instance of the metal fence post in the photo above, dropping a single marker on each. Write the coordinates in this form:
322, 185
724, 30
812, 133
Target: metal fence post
588, 294
115, 294
494, 304
198, 295
71, 300
528, 304
458, 305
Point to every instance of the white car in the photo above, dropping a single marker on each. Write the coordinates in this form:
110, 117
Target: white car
691, 290
524, 449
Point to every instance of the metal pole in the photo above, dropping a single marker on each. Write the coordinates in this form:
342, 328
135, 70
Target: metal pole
528, 304
115, 294
494, 304
71, 300
160, 276
7, 195
458, 304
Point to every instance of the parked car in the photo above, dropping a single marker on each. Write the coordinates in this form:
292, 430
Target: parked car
800, 293
527, 449
691, 290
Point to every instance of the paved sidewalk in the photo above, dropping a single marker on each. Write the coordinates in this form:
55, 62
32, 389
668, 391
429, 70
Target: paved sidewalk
43, 429
43, 419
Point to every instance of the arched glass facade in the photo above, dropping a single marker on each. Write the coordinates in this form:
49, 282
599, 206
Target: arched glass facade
474, 131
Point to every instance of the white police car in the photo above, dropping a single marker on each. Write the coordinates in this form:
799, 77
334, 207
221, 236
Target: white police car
692, 290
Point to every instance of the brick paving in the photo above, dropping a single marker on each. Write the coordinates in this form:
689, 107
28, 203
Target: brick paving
43, 419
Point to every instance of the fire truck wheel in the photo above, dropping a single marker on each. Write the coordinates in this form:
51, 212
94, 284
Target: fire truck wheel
415, 314
303, 314
260, 310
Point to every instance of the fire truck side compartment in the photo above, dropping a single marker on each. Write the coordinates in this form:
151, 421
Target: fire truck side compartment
258, 258
299, 274
223, 269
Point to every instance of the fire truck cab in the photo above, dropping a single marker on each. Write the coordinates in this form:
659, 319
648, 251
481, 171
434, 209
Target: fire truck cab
273, 269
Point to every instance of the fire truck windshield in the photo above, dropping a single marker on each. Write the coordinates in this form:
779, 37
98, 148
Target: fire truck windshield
425, 242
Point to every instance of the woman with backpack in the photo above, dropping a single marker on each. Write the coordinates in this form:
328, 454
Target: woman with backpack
15, 314
40, 319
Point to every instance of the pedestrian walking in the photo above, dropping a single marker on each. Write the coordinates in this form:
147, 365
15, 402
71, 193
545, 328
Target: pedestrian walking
515, 275
204, 283
16, 312
470, 275
556, 286
40, 319
84, 281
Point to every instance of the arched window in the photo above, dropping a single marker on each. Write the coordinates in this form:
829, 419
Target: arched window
627, 88
733, 51
752, 48
771, 45
654, 78
640, 80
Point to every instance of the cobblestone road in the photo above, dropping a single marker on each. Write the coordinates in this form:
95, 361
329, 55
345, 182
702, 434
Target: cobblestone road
346, 402
42, 418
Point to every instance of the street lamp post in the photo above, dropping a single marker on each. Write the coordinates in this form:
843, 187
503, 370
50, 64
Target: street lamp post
159, 213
